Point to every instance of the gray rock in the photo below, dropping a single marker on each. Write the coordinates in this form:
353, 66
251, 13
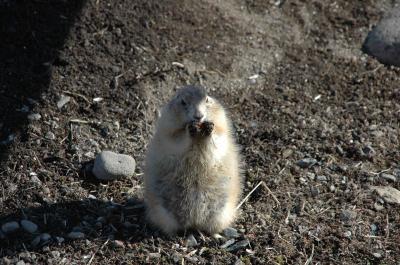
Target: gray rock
322, 178
62, 101
50, 136
230, 232
368, 151
34, 117
154, 255
239, 262
45, 237
228, 243
10, 227
306, 162
21, 262
35, 241
191, 241
238, 245
383, 42
177, 257
29, 226
76, 235
377, 255
388, 194
388, 177
378, 207
118, 244
347, 234
109, 166
347, 215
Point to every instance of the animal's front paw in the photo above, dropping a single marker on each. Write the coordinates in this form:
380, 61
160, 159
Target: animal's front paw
206, 128
200, 128
194, 128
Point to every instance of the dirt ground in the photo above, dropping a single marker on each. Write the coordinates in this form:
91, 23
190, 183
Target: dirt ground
291, 74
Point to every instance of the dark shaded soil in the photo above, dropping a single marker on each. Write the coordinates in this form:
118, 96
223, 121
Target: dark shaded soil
294, 79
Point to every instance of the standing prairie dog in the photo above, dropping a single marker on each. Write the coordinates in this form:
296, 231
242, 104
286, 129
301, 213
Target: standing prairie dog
192, 174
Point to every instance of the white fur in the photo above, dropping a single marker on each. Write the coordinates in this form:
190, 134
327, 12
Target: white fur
220, 146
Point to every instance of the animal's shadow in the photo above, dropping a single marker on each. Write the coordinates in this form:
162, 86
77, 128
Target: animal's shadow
95, 219
33, 34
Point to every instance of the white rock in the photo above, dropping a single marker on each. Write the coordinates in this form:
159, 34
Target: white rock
389, 194
10, 227
29, 226
109, 165
63, 100
34, 117
383, 42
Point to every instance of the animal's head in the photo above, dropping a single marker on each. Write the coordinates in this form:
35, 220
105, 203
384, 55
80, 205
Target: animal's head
191, 103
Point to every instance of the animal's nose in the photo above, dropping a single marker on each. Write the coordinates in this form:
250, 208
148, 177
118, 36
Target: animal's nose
198, 116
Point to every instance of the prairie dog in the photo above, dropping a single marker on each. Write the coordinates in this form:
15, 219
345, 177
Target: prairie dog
192, 173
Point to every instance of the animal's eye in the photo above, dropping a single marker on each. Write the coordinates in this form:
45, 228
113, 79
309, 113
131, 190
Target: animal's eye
183, 102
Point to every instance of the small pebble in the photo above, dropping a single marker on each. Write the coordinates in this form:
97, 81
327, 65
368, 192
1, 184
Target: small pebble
55, 254
21, 262
50, 136
239, 262
177, 257
35, 241
191, 241
377, 255
388, 177
10, 227
322, 178
230, 232
228, 243
118, 244
29, 226
368, 151
347, 234
154, 255
62, 101
347, 215
45, 237
76, 235
306, 162
34, 117
238, 245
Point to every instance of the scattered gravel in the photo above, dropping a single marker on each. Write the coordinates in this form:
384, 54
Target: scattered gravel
109, 166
